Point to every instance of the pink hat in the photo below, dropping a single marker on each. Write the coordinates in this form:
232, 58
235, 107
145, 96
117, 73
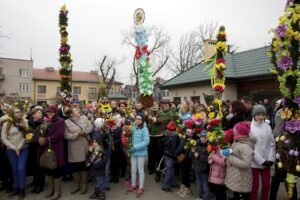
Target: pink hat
241, 130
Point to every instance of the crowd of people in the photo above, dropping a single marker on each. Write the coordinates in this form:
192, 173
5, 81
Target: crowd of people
108, 141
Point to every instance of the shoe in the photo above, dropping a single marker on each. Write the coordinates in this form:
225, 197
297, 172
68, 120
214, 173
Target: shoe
22, 194
180, 189
186, 193
175, 186
77, 180
83, 187
139, 192
167, 189
94, 195
14, 193
151, 172
101, 195
130, 188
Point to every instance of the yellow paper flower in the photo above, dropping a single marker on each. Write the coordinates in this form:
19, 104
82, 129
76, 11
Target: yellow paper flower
286, 114
28, 136
220, 66
211, 115
221, 46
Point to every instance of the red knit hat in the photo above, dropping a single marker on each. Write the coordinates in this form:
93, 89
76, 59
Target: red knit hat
171, 126
241, 130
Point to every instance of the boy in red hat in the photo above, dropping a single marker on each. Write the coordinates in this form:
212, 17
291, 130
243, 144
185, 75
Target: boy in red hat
172, 148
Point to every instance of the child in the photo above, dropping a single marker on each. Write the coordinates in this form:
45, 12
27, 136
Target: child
199, 155
264, 152
217, 174
138, 152
239, 175
172, 147
97, 160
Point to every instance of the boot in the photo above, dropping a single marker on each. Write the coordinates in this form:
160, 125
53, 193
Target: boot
101, 195
95, 194
77, 180
186, 193
22, 194
57, 189
14, 193
83, 187
180, 189
51, 192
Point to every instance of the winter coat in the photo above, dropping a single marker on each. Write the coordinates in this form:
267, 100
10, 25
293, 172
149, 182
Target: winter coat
117, 140
264, 148
55, 135
248, 115
239, 174
14, 139
98, 166
200, 163
155, 124
77, 145
172, 144
140, 141
217, 171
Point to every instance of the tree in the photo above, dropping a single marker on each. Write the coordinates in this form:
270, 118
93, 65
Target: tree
190, 48
159, 51
107, 69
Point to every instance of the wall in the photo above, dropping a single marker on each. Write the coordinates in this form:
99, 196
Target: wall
51, 90
12, 79
230, 92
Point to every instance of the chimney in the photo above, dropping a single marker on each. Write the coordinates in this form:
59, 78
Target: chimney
94, 72
209, 48
49, 69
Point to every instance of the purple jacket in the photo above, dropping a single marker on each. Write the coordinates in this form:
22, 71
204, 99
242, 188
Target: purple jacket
217, 172
56, 135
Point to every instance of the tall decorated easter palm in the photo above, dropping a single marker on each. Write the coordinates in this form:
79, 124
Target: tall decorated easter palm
285, 56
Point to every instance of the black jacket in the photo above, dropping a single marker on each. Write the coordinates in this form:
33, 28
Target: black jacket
234, 120
172, 144
97, 168
248, 115
200, 164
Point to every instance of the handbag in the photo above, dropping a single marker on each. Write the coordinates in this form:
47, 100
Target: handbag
48, 159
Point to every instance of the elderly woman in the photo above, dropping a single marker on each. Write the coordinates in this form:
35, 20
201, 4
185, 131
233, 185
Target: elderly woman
52, 133
12, 136
77, 131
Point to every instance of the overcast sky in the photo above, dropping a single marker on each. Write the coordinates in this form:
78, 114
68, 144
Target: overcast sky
95, 26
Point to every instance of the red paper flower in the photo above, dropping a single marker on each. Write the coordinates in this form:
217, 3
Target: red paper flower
219, 88
220, 60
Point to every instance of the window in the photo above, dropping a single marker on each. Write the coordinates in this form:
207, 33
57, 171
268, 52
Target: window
24, 87
23, 72
93, 91
111, 91
77, 90
41, 88
164, 94
167, 94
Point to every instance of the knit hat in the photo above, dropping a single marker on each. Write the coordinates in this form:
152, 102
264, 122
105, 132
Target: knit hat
141, 115
171, 126
203, 133
52, 109
99, 122
241, 130
258, 109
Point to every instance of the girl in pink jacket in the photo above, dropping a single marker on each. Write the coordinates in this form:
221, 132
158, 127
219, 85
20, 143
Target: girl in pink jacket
217, 175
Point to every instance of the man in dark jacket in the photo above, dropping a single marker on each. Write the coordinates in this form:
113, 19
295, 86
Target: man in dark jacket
249, 106
172, 148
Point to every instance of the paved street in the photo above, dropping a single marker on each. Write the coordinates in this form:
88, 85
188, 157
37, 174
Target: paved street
152, 191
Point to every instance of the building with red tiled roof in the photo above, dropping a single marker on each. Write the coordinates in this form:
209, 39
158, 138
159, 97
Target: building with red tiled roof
85, 85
